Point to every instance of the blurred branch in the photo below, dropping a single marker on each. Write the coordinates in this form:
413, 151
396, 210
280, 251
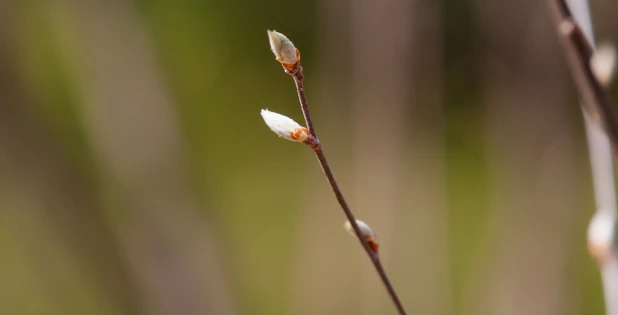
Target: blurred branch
579, 51
575, 30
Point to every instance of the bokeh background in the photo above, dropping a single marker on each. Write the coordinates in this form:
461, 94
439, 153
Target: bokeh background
137, 176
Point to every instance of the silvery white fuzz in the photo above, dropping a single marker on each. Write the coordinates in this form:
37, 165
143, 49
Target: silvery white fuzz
283, 48
285, 127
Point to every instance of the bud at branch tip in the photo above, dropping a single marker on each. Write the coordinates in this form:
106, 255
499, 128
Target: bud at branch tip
284, 50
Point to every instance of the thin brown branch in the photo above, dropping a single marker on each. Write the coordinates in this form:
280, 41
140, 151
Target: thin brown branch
297, 74
579, 50
375, 258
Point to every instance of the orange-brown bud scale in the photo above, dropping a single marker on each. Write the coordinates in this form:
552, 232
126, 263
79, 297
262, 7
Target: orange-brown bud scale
288, 66
600, 253
372, 243
300, 133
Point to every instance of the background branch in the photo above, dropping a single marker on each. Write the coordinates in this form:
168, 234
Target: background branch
572, 19
579, 49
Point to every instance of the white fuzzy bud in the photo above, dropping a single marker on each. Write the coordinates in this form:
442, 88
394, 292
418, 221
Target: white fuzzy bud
287, 128
603, 63
366, 232
601, 235
283, 48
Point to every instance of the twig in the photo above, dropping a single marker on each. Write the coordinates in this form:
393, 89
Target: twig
289, 57
375, 258
297, 74
598, 116
302, 98
579, 50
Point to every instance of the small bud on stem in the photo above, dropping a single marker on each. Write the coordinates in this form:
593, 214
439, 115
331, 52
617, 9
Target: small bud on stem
287, 128
284, 50
603, 63
366, 231
601, 235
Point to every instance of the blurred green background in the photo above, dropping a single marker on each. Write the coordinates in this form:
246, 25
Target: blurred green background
137, 176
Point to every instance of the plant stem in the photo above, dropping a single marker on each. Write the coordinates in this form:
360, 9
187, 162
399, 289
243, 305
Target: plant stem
375, 258
599, 115
297, 74
579, 50
300, 88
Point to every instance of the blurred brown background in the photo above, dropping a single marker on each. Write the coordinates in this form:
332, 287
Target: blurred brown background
137, 176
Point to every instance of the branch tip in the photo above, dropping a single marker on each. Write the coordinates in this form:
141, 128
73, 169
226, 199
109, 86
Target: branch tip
284, 50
